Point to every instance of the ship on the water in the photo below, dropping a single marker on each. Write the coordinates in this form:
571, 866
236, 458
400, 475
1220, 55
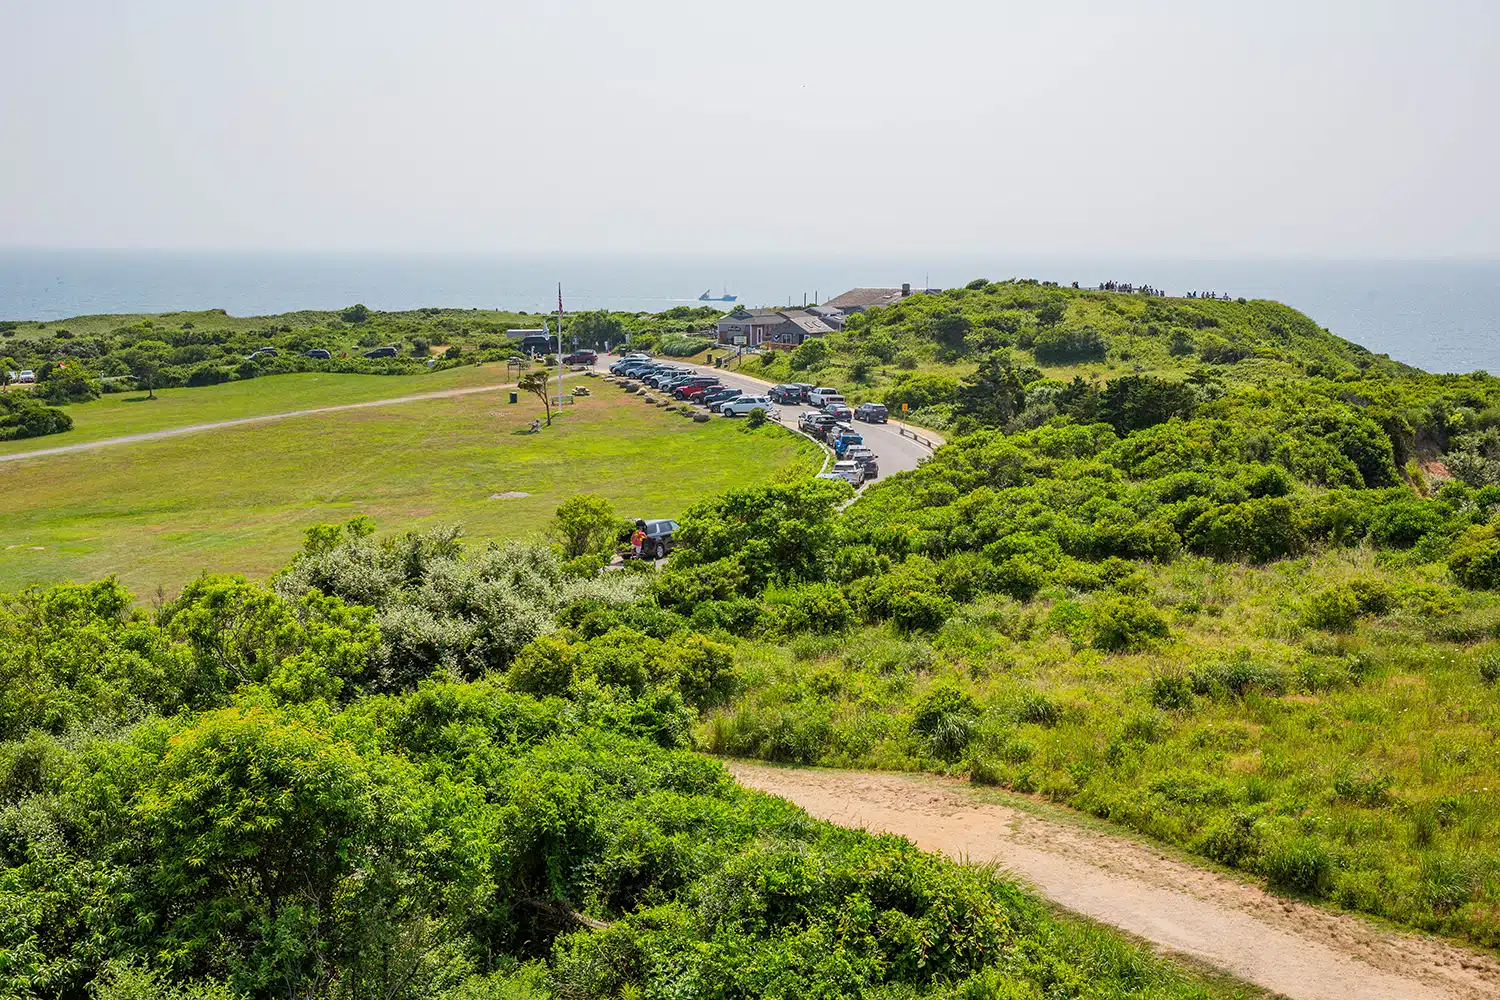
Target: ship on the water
708, 297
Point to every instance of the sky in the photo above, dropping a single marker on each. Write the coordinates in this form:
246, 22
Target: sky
1315, 128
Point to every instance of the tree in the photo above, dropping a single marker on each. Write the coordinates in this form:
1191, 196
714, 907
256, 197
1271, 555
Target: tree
584, 523
145, 360
1052, 311
539, 384
595, 329
994, 393
356, 313
7, 366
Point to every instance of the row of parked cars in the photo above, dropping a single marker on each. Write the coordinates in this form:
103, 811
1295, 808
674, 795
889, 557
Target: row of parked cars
828, 400
829, 423
685, 383
23, 377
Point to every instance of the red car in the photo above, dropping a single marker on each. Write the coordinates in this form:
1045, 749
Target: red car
697, 389
581, 358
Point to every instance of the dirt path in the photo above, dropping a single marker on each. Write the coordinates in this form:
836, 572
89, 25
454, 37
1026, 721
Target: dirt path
1301, 951
240, 421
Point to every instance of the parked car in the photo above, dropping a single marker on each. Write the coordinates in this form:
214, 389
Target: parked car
269, 352
317, 352
785, 394
659, 540
25, 375
839, 411
814, 423
730, 396
581, 358
819, 397
719, 393
845, 439
862, 455
872, 413
742, 405
381, 352
852, 473
695, 390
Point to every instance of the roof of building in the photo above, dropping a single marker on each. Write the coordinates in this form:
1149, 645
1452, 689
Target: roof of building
864, 298
810, 324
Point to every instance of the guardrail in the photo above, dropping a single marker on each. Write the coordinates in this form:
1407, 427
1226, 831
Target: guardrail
905, 432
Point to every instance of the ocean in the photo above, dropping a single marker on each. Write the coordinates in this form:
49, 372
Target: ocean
1439, 315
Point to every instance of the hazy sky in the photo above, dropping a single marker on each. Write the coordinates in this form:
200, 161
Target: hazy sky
1316, 127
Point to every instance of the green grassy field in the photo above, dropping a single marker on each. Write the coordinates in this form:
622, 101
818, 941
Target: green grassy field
157, 513
133, 413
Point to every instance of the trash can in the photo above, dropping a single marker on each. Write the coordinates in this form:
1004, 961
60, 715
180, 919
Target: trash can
710, 358
513, 397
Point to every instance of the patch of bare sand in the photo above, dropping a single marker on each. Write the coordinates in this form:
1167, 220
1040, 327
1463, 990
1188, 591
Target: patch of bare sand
1291, 948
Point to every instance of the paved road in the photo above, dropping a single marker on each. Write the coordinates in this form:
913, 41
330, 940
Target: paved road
239, 421
895, 452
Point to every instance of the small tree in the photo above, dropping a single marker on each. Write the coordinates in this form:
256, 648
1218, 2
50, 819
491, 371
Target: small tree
145, 360
6, 367
539, 384
585, 523
356, 313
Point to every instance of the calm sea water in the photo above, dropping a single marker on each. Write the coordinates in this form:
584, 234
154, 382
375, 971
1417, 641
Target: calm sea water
1439, 315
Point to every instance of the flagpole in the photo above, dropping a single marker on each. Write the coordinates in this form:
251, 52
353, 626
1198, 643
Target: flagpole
559, 348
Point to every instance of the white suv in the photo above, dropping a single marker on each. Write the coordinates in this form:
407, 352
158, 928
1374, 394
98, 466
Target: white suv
742, 405
820, 397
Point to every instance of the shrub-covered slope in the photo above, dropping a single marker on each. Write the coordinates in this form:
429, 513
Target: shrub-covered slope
471, 785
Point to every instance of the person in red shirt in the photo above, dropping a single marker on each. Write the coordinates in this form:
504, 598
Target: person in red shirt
638, 538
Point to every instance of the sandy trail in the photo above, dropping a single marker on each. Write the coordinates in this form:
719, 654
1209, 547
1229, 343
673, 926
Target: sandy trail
240, 421
1288, 947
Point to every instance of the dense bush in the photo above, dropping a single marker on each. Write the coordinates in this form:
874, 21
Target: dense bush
23, 417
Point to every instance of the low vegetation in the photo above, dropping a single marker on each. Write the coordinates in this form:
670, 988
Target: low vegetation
410, 770
77, 359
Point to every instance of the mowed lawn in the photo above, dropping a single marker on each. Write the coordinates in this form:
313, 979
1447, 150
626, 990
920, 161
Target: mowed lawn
122, 414
158, 513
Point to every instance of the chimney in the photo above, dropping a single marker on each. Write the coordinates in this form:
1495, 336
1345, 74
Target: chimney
905, 289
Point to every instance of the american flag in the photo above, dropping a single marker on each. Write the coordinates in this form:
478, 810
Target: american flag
559, 300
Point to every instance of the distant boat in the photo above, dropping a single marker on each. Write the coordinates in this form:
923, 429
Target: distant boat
726, 297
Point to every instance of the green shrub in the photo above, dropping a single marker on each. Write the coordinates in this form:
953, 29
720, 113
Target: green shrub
946, 717
1489, 667
1170, 691
1475, 562
1334, 609
1126, 623
677, 346
1298, 864
810, 607
1230, 839
1036, 708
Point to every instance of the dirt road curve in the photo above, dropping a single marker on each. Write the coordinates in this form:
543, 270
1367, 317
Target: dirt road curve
1288, 947
221, 424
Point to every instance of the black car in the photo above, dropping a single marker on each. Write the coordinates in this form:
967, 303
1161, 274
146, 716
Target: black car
381, 352
264, 352
317, 352
719, 394
785, 394
872, 413
658, 539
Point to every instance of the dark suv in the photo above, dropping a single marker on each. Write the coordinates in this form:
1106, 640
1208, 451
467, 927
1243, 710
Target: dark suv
381, 352
785, 394
581, 358
871, 413
658, 539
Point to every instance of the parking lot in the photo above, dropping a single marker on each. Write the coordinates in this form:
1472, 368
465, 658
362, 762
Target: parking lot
895, 452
